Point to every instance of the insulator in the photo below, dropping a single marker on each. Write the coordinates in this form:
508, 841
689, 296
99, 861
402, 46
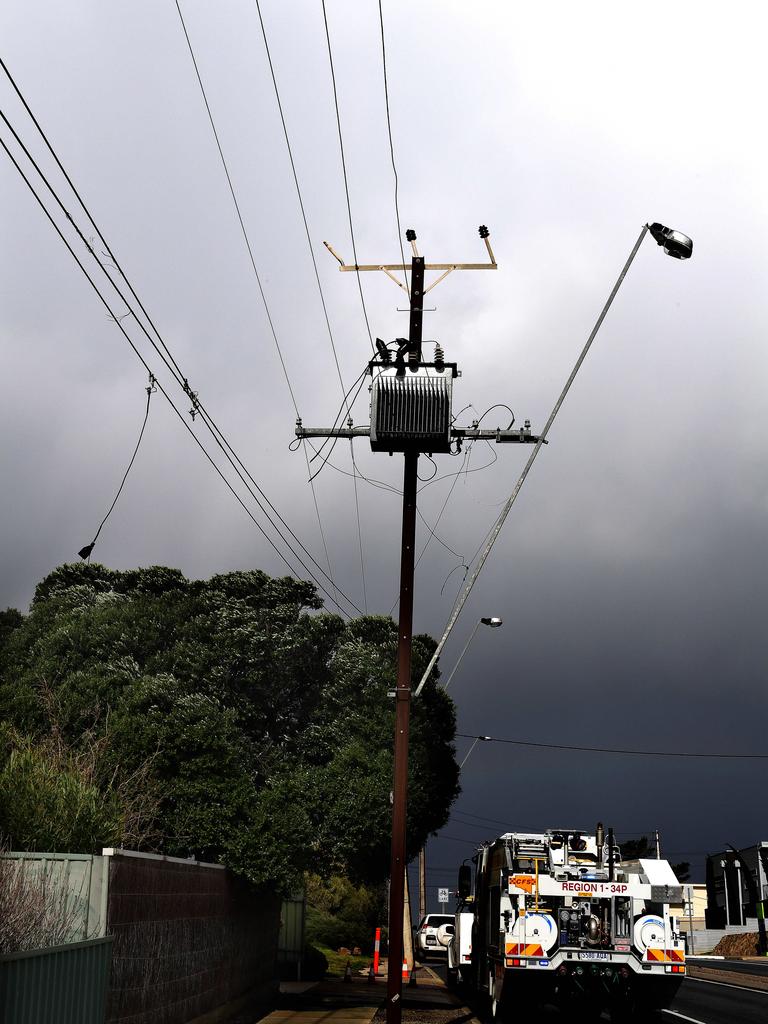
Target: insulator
410, 235
439, 358
484, 232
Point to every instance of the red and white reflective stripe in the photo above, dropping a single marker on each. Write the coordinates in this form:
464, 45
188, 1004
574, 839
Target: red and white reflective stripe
376, 948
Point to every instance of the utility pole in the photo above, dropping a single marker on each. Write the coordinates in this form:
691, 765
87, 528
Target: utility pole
658, 844
410, 413
423, 882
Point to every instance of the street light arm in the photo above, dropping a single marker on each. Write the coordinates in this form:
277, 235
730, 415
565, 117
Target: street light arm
532, 458
464, 651
476, 741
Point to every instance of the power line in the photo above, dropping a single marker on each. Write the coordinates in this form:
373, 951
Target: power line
392, 148
196, 404
618, 750
346, 181
165, 355
253, 262
141, 358
359, 528
176, 370
237, 207
322, 301
299, 196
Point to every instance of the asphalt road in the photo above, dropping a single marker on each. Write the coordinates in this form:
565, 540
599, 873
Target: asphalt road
712, 1002
699, 1001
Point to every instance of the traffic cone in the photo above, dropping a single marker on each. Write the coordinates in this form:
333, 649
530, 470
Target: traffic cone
348, 972
405, 972
371, 974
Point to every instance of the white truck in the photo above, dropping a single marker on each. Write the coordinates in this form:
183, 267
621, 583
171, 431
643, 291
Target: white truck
557, 917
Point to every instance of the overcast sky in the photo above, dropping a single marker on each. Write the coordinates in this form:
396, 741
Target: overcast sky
632, 574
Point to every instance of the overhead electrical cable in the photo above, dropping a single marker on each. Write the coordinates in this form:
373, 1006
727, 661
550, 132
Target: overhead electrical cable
359, 530
255, 270
141, 359
391, 147
620, 750
346, 180
322, 297
166, 354
335, 439
113, 315
300, 197
246, 239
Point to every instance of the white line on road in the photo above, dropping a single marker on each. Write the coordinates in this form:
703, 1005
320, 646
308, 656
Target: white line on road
725, 984
682, 1016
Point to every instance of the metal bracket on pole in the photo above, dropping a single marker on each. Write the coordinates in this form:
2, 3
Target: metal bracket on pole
522, 435
446, 268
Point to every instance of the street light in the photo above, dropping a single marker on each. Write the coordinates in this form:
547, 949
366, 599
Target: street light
675, 244
494, 622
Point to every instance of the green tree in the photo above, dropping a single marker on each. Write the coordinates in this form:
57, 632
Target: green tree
340, 913
53, 798
266, 721
635, 849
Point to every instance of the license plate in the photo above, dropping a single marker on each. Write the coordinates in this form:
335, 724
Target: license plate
594, 956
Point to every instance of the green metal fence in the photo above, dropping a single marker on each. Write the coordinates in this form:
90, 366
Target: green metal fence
61, 985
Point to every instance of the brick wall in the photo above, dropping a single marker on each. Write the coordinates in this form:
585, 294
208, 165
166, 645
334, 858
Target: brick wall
187, 938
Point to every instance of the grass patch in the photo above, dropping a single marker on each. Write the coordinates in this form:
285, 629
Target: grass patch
337, 963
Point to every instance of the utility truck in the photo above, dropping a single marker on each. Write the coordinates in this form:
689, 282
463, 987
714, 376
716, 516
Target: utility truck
558, 917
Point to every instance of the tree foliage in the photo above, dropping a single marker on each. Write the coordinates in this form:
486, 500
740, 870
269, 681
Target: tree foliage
340, 913
265, 721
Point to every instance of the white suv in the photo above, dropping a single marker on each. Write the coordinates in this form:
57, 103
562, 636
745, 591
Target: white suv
427, 938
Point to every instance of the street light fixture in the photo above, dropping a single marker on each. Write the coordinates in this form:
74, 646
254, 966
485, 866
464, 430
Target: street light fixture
675, 243
494, 622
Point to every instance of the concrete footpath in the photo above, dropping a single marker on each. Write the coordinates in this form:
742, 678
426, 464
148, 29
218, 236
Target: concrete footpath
360, 1001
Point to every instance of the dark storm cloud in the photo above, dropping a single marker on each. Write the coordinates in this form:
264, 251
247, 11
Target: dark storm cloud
631, 574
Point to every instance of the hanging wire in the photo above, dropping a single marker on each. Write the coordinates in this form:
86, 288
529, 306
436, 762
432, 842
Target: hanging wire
359, 530
237, 208
346, 181
85, 552
623, 751
246, 478
180, 415
320, 292
392, 149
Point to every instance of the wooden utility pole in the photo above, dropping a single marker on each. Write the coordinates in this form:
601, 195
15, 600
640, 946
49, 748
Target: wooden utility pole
409, 425
423, 882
